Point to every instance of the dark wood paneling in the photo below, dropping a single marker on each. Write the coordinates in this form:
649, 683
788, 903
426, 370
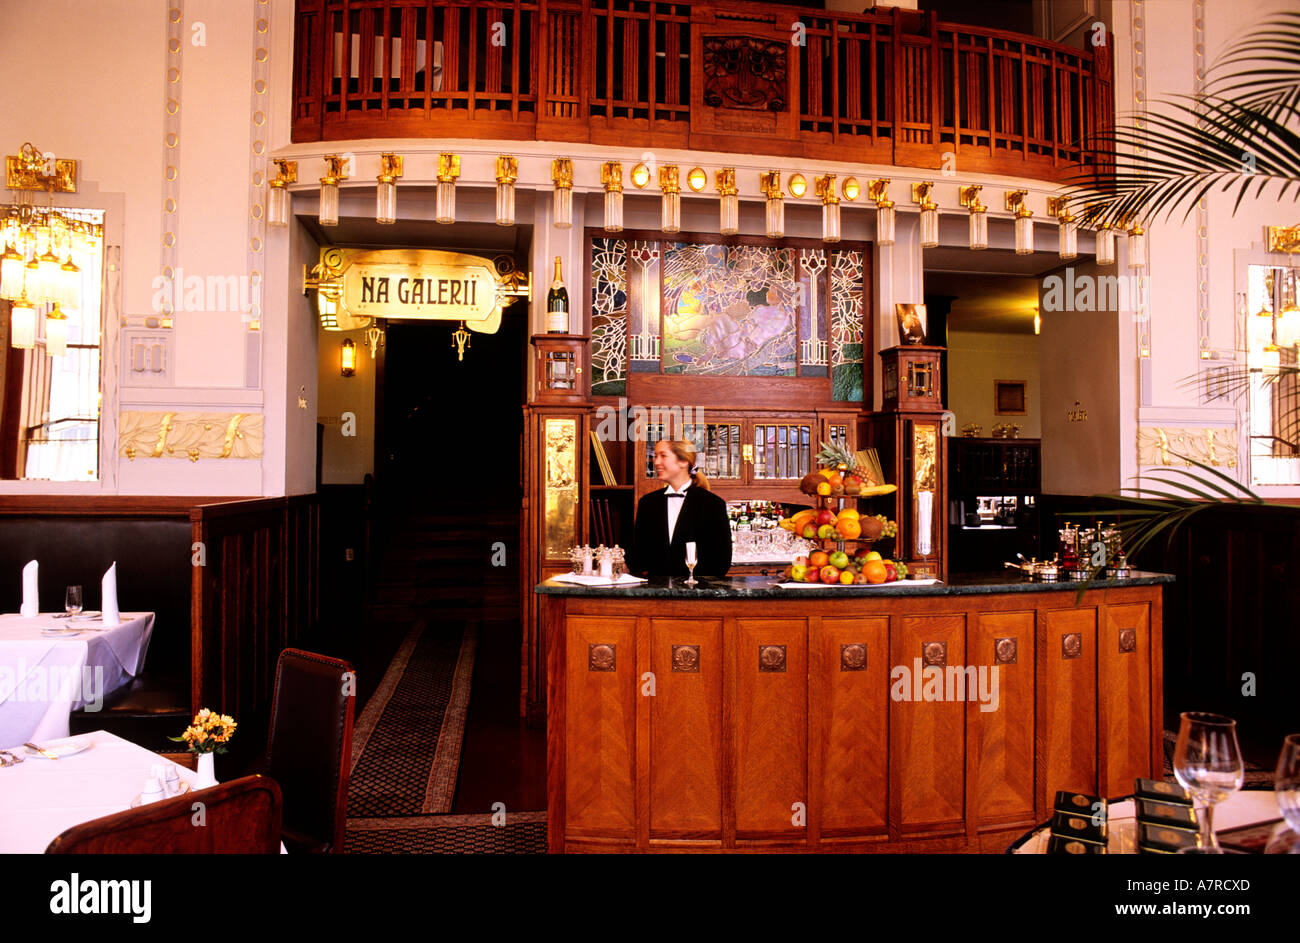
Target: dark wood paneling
1001, 744
1124, 698
1067, 702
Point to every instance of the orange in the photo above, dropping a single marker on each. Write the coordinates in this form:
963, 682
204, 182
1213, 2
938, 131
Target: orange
851, 513
848, 529
818, 559
824, 488
846, 577
874, 571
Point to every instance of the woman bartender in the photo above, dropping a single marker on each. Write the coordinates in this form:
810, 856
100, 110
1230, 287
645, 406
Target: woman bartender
685, 511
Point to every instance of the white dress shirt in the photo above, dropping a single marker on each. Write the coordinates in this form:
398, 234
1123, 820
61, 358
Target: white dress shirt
674, 508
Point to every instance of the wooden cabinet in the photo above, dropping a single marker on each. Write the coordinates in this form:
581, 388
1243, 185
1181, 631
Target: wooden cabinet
903, 723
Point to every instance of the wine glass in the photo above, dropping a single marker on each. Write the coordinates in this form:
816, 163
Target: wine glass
1207, 762
691, 563
72, 600
1286, 781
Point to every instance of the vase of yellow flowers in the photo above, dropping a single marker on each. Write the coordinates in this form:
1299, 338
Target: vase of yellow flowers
206, 737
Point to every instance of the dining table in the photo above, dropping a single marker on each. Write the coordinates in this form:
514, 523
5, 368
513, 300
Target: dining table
53, 664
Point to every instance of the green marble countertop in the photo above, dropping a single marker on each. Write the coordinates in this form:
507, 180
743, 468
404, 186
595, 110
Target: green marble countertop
763, 587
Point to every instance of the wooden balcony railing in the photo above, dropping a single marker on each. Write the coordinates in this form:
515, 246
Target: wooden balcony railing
895, 88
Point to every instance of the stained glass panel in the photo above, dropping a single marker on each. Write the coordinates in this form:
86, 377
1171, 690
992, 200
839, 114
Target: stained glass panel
608, 317
729, 310
846, 325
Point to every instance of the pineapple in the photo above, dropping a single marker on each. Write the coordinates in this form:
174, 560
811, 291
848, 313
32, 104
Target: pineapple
836, 456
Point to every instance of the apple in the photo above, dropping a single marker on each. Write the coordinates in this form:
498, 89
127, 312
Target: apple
839, 559
860, 577
809, 532
818, 559
797, 572
874, 555
826, 532
890, 573
830, 574
813, 575
825, 516
860, 554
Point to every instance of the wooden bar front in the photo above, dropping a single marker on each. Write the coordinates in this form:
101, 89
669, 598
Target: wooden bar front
788, 722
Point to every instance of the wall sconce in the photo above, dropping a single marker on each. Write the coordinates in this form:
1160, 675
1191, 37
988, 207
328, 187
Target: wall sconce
277, 209
390, 168
56, 332
1016, 203
348, 358
22, 324
1078, 414
507, 174
1137, 247
1038, 321
640, 176
1105, 245
697, 179
672, 198
878, 190
327, 308
770, 184
979, 220
728, 201
1067, 227
611, 176
929, 213
798, 186
824, 187
329, 189
562, 177
850, 189
444, 204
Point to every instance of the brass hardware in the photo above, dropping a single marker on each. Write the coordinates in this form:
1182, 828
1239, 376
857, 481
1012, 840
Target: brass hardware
668, 181
448, 167
934, 654
286, 173
725, 180
878, 190
1128, 639
921, 194
562, 172
601, 657
747, 452
390, 167
850, 189
611, 176
507, 169
824, 187
338, 169
771, 658
31, 169
798, 186
1280, 238
770, 184
970, 195
1072, 645
1078, 414
686, 658
1059, 207
460, 340
1016, 202
853, 657
1005, 650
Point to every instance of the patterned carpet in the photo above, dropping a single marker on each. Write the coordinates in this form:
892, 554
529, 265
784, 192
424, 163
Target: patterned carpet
521, 834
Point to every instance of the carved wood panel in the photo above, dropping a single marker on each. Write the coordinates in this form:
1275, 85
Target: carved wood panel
1001, 744
1124, 684
1067, 719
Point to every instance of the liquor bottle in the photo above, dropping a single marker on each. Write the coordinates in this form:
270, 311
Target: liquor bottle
557, 305
743, 525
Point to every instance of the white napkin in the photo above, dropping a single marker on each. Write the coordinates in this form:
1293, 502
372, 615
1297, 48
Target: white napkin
31, 604
109, 592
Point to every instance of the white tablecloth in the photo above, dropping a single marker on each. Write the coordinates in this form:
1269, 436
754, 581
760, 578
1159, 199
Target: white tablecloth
43, 679
1241, 808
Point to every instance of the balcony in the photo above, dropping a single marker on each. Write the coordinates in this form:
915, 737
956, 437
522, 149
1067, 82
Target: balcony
895, 88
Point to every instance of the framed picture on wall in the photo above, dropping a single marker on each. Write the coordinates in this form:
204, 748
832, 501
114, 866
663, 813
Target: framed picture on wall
1009, 398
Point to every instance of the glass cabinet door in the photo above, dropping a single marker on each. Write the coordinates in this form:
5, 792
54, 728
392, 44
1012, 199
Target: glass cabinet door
782, 450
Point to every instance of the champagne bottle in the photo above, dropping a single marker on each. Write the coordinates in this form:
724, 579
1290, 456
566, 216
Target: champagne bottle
557, 305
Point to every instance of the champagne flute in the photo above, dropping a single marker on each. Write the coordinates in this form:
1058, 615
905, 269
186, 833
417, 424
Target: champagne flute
1286, 781
691, 562
1207, 762
72, 600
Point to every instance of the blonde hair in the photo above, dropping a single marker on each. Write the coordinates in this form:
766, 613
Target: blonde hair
685, 452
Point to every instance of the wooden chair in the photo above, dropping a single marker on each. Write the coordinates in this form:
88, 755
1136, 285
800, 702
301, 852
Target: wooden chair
238, 817
309, 748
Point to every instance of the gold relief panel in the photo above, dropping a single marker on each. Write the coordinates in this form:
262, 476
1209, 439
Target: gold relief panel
1158, 445
561, 486
924, 447
190, 435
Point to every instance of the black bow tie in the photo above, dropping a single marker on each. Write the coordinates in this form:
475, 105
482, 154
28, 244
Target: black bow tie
676, 494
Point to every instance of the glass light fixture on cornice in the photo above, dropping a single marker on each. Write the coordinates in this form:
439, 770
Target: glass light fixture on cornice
640, 176
1016, 203
929, 213
507, 174
611, 177
56, 332
562, 177
798, 186
979, 219
1105, 245
1067, 228
329, 189
444, 201
697, 179
1137, 247
878, 190
728, 201
390, 169
770, 184
277, 201
22, 324
672, 198
824, 187
850, 189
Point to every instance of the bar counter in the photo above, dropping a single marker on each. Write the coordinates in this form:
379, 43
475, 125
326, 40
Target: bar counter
739, 716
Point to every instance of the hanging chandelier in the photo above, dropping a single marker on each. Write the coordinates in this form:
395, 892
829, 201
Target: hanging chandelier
36, 242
